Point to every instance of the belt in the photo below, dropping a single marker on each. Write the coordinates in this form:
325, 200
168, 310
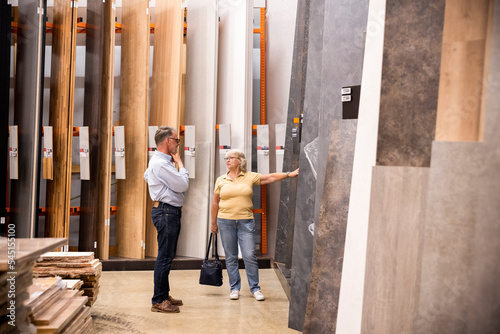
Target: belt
158, 204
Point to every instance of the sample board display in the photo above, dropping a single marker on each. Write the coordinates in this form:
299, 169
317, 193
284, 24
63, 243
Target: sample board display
28, 96
263, 149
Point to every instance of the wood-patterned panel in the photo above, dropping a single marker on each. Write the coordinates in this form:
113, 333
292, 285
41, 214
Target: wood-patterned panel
462, 70
134, 93
62, 89
394, 250
166, 84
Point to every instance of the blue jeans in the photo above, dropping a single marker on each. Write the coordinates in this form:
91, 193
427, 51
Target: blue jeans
233, 232
167, 220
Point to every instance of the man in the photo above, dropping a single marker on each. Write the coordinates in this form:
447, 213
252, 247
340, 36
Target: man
167, 188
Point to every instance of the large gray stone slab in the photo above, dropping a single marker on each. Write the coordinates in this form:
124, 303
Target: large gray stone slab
336, 47
286, 214
410, 82
324, 290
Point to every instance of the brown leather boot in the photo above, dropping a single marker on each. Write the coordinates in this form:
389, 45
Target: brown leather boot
165, 307
176, 302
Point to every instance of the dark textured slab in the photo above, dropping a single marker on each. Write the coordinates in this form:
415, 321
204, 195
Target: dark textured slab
335, 57
322, 301
92, 118
5, 18
286, 215
410, 82
28, 102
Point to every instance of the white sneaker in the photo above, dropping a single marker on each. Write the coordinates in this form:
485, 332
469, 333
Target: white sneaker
258, 295
234, 295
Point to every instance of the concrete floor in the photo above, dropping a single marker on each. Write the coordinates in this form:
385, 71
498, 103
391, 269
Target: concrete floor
124, 305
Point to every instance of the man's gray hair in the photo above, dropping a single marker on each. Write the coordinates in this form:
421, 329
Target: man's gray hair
162, 133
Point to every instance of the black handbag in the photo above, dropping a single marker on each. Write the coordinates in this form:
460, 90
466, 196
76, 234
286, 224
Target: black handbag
211, 270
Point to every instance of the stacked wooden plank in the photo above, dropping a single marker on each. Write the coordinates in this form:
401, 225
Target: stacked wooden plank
56, 309
81, 265
16, 275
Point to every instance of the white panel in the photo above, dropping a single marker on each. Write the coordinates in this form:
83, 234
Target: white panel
353, 269
280, 146
120, 152
234, 101
84, 153
151, 141
13, 153
48, 151
263, 149
200, 110
224, 145
190, 150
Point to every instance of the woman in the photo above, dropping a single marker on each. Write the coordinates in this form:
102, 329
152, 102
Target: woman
232, 215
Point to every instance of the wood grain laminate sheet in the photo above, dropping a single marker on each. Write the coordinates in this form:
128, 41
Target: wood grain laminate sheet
165, 85
5, 50
462, 69
394, 250
98, 115
201, 94
286, 215
106, 127
134, 92
28, 98
335, 61
62, 87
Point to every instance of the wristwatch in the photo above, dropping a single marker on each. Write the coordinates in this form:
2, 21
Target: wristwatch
287, 174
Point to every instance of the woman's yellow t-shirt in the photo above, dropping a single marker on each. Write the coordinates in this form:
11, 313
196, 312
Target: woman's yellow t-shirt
236, 196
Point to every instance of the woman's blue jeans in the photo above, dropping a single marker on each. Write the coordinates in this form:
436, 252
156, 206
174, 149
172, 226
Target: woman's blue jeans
232, 233
167, 220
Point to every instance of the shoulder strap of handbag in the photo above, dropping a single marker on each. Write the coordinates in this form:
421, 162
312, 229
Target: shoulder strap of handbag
215, 247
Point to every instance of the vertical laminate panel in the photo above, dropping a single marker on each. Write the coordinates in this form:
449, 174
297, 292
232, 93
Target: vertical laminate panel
365, 153
410, 82
165, 84
342, 49
134, 93
394, 250
201, 96
62, 88
28, 101
234, 72
89, 202
462, 67
328, 253
286, 214
5, 50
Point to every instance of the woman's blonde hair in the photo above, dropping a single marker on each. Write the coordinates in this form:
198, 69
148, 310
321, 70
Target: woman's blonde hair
240, 156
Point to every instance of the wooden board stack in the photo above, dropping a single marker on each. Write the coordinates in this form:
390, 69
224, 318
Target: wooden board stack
81, 265
57, 309
16, 276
